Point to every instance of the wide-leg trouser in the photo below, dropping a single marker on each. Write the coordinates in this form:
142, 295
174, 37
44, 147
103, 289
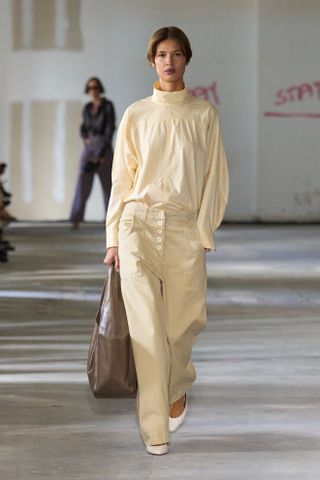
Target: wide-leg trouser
163, 281
85, 182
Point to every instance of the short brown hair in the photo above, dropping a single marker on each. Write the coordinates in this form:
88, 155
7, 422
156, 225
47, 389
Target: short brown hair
172, 33
98, 82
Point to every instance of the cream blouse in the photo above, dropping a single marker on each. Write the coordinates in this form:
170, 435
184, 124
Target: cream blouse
169, 154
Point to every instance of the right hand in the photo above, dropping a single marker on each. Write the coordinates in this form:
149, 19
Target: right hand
112, 256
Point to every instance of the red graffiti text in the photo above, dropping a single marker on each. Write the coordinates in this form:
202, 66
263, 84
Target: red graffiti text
298, 93
207, 93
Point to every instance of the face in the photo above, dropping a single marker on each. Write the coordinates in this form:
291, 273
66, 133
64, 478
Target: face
93, 89
170, 62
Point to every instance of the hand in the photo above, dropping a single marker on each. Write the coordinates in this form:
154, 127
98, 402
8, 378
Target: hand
112, 256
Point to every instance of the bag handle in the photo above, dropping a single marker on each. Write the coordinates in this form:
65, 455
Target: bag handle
106, 286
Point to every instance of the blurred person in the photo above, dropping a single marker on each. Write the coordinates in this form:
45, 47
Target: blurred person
5, 217
170, 188
96, 130
5, 199
5, 247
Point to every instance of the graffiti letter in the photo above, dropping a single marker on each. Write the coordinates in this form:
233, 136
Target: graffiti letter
200, 92
317, 85
282, 97
213, 89
291, 91
305, 88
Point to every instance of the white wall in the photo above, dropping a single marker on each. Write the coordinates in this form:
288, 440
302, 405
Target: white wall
249, 48
288, 159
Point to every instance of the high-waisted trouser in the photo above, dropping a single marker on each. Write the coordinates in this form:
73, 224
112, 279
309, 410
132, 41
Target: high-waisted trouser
163, 282
85, 183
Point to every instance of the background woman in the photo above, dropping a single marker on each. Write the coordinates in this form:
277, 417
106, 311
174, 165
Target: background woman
96, 131
169, 193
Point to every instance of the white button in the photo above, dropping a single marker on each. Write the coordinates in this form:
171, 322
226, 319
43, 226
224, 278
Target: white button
159, 239
159, 231
161, 214
158, 247
159, 223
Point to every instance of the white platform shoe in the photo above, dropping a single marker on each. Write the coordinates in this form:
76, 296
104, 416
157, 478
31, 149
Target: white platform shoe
157, 449
175, 422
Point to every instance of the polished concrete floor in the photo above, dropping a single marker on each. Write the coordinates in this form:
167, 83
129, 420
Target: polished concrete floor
255, 407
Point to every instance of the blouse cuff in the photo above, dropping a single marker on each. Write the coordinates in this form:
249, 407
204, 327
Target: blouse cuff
207, 239
112, 239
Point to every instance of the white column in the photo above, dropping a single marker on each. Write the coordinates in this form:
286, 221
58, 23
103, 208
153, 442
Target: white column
26, 23
58, 181
61, 23
26, 154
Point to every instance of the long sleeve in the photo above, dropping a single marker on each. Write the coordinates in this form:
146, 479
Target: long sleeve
109, 127
216, 185
83, 129
110, 124
123, 178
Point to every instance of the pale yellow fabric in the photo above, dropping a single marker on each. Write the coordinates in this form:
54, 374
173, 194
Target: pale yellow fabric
169, 154
158, 248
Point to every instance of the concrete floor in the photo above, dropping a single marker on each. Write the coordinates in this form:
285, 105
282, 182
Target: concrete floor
254, 409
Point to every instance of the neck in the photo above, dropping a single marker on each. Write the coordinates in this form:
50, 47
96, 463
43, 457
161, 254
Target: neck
96, 100
171, 86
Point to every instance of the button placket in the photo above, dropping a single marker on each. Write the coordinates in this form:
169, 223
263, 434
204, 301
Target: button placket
159, 220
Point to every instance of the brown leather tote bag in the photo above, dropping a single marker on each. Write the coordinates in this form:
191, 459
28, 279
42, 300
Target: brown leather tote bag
110, 368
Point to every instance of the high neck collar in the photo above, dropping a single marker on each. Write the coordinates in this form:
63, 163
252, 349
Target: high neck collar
162, 96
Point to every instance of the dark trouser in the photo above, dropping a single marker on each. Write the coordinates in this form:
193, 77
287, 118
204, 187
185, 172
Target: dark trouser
85, 182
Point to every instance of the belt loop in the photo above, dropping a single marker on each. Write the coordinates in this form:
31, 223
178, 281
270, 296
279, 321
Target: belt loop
136, 209
141, 210
144, 211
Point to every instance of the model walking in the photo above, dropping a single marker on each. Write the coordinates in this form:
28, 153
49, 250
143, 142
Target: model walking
169, 193
96, 131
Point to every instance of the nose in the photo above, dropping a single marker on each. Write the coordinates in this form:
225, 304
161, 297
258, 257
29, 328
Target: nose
169, 60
